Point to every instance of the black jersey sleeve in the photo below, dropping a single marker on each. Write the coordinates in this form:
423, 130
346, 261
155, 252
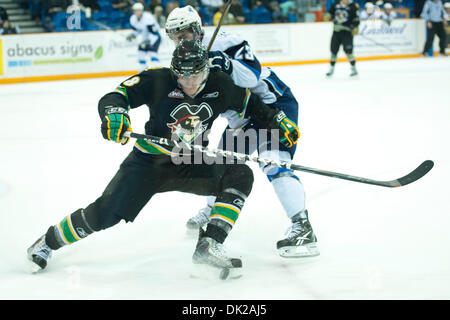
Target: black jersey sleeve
354, 13
131, 93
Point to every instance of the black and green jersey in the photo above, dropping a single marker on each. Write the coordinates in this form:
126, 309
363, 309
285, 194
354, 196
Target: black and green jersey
344, 17
174, 114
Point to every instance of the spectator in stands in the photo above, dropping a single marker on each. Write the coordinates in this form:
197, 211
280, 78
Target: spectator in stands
193, 3
170, 5
123, 5
158, 13
388, 14
3, 15
51, 8
154, 4
260, 14
8, 28
237, 11
292, 15
277, 15
212, 5
436, 17
229, 19
89, 7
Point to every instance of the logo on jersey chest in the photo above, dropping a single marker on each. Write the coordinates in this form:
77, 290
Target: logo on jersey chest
210, 95
176, 94
189, 120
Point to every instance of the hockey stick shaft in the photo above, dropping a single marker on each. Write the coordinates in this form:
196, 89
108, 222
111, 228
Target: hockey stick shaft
367, 38
219, 24
414, 175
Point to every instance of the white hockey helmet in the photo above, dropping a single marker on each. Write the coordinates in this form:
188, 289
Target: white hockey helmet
447, 5
370, 7
183, 18
138, 7
388, 6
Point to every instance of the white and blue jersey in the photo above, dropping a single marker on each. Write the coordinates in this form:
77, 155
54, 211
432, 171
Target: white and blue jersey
147, 30
262, 81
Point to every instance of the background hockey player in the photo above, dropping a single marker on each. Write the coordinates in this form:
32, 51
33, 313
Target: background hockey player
345, 17
388, 14
370, 12
232, 54
147, 31
185, 90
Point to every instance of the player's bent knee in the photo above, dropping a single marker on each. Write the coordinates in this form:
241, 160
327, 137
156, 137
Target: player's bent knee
239, 177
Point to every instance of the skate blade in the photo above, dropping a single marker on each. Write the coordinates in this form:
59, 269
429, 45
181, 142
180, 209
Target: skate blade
207, 272
309, 250
34, 268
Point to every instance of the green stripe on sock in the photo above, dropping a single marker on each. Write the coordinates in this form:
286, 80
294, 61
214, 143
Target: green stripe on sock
66, 230
224, 212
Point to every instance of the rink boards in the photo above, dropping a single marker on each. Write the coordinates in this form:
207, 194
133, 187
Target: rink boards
73, 55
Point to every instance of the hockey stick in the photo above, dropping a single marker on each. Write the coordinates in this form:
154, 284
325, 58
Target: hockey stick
219, 24
367, 38
414, 175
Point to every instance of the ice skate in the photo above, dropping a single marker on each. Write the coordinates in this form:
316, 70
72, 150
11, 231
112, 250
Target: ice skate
300, 241
211, 260
200, 220
38, 254
353, 71
330, 72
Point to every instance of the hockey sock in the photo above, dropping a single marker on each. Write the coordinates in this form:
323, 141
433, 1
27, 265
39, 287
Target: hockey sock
71, 229
351, 59
217, 230
333, 60
291, 194
228, 206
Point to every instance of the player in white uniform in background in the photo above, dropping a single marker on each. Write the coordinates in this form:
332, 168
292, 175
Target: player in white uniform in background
232, 55
147, 32
370, 12
388, 15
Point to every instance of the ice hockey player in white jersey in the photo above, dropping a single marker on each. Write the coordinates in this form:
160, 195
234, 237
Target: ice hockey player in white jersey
370, 12
147, 31
388, 14
232, 54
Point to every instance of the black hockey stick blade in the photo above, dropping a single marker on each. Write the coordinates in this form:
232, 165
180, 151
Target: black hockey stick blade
414, 175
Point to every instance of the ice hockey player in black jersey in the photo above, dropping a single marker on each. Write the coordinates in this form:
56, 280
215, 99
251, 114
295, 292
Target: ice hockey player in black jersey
183, 102
345, 17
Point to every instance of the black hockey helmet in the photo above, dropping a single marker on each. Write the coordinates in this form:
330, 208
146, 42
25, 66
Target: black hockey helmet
190, 57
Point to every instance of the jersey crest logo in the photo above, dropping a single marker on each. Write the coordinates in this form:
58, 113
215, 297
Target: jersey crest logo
211, 95
189, 120
176, 94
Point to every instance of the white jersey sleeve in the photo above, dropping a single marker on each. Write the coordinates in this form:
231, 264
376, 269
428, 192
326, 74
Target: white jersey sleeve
246, 67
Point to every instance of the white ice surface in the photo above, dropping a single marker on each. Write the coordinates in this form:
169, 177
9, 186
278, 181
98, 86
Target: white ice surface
376, 243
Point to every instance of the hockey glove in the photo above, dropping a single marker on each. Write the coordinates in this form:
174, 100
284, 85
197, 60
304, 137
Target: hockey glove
131, 37
219, 61
355, 31
115, 123
289, 130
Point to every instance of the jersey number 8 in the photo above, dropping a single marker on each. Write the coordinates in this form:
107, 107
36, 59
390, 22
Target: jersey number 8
132, 81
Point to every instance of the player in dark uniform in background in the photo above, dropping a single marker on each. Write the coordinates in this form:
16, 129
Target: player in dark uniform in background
345, 16
183, 102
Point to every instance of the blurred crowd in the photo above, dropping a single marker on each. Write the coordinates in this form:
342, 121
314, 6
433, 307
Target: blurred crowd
115, 14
